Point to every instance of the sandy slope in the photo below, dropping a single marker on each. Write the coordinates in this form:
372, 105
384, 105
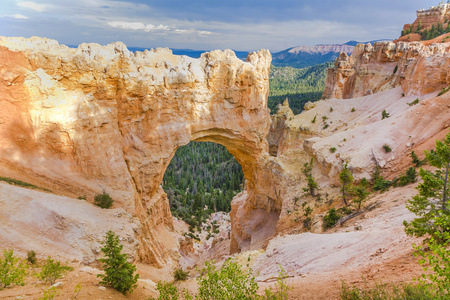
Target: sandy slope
372, 245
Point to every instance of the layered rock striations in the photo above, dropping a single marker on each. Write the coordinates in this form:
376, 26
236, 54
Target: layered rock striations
417, 68
103, 119
427, 18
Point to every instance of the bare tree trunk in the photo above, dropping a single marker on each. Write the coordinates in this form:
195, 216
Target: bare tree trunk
343, 194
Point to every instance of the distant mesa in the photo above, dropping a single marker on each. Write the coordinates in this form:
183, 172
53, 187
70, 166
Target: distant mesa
307, 56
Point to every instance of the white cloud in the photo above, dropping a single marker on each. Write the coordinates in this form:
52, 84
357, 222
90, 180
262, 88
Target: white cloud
137, 26
18, 16
34, 6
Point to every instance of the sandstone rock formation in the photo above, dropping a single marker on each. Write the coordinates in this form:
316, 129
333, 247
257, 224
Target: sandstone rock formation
93, 119
417, 68
101, 118
426, 18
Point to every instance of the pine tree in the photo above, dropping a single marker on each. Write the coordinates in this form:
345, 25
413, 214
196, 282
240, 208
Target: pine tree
431, 202
346, 178
361, 193
311, 184
118, 271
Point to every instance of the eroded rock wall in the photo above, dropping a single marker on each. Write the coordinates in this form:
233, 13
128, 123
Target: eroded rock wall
101, 118
417, 68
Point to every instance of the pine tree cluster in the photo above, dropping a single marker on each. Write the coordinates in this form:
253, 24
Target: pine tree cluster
202, 178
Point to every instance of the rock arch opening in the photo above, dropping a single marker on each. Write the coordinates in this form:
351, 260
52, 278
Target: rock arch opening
202, 178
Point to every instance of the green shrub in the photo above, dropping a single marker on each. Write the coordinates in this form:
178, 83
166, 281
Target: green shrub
50, 293
414, 102
167, 291
307, 211
76, 291
417, 161
364, 182
229, 282
331, 109
103, 200
325, 126
353, 109
82, 197
22, 183
12, 269
384, 115
31, 257
331, 218
395, 69
360, 192
311, 184
314, 119
438, 257
281, 288
181, 275
119, 273
381, 185
387, 148
52, 270
443, 91
333, 149
345, 210
410, 176
380, 291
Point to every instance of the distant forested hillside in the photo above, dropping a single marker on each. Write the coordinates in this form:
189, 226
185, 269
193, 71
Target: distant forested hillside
201, 174
298, 85
302, 59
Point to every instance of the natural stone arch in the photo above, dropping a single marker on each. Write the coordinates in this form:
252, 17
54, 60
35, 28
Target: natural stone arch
227, 104
124, 114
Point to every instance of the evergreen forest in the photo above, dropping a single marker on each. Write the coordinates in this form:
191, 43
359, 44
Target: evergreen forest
202, 178
298, 85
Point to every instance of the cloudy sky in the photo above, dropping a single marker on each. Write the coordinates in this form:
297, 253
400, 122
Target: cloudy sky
209, 24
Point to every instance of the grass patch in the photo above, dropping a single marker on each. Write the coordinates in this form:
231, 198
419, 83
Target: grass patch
396, 292
443, 91
23, 184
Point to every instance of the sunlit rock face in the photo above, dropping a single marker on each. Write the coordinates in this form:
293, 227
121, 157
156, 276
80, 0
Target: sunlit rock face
417, 68
101, 118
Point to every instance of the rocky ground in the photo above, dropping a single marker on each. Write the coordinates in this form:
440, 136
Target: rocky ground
370, 247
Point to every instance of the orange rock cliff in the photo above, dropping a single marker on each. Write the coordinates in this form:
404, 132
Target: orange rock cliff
101, 118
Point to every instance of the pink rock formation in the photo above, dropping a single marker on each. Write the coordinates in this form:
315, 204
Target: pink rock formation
101, 118
92, 119
417, 68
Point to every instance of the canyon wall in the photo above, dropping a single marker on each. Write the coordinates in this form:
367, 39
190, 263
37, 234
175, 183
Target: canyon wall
103, 119
417, 68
